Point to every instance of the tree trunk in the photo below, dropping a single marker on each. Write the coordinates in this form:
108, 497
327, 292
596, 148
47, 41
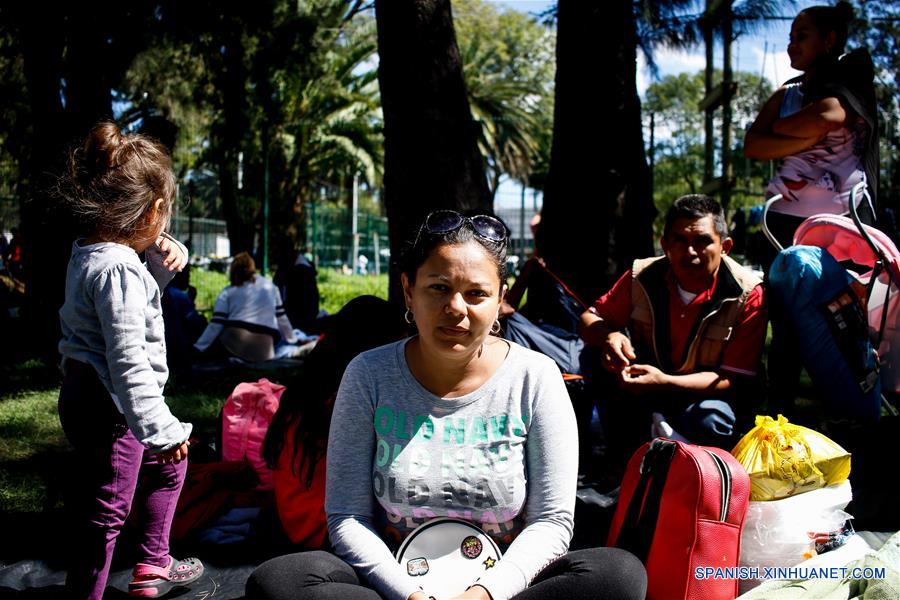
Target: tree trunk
49, 231
598, 210
431, 157
73, 54
228, 137
45, 241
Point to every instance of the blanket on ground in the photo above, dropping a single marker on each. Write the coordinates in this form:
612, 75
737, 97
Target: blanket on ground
887, 557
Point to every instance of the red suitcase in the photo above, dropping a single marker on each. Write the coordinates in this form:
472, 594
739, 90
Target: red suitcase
681, 510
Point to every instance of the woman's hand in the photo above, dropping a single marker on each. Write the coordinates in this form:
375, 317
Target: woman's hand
476, 592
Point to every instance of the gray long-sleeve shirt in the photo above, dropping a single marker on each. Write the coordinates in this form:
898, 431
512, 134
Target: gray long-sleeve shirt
503, 457
112, 319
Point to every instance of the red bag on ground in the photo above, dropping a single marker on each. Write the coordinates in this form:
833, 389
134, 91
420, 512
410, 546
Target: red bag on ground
245, 420
681, 509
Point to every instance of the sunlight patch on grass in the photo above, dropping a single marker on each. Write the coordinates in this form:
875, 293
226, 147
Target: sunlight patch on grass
336, 289
29, 424
29, 433
196, 407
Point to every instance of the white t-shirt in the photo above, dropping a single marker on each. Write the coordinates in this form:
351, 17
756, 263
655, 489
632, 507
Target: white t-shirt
256, 303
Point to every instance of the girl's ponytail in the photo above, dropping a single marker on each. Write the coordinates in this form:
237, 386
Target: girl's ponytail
113, 178
100, 150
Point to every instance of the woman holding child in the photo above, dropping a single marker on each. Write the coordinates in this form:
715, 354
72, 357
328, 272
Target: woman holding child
452, 422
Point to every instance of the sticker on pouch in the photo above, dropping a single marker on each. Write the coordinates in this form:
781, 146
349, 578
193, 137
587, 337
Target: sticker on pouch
471, 547
417, 566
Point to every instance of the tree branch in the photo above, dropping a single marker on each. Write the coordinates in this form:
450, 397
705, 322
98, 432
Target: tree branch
355, 10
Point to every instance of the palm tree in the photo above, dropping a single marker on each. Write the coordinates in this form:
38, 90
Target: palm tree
507, 60
332, 124
272, 89
505, 111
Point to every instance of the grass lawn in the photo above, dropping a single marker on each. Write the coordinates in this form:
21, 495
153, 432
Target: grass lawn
335, 288
32, 445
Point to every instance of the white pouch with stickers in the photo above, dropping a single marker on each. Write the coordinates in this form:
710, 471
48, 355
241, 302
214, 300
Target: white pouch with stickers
445, 556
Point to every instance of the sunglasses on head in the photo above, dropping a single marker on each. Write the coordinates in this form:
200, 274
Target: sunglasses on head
446, 221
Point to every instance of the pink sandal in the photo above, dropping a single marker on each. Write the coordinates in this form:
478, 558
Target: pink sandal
149, 581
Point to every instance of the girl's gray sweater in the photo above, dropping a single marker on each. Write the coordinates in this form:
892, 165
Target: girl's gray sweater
112, 319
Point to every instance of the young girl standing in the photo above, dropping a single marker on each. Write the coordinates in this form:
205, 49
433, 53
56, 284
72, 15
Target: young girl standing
111, 403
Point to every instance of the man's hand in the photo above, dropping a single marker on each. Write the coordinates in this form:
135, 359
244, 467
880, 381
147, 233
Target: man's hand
173, 455
617, 352
639, 379
174, 258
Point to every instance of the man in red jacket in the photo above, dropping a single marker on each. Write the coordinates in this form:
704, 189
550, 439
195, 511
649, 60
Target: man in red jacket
682, 334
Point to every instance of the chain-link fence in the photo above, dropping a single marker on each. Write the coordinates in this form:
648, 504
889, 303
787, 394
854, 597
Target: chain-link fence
329, 235
204, 237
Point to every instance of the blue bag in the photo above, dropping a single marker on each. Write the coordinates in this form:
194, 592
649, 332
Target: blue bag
831, 329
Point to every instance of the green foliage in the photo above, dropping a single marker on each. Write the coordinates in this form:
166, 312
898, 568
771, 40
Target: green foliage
293, 82
508, 64
679, 143
168, 79
14, 111
29, 434
332, 122
876, 28
29, 423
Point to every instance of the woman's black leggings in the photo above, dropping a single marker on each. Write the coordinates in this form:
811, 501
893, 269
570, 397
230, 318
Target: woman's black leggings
592, 574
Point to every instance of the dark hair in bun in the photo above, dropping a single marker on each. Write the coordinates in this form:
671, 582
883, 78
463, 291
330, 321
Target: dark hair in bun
113, 178
835, 18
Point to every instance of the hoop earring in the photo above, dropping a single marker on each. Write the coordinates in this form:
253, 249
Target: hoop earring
495, 328
408, 317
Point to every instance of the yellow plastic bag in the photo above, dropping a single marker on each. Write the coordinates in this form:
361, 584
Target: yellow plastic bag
783, 459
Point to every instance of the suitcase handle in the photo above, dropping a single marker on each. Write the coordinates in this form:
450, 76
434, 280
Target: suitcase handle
639, 523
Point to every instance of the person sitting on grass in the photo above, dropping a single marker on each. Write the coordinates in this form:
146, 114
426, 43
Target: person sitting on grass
296, 279
452, 421
697, 323
248, 319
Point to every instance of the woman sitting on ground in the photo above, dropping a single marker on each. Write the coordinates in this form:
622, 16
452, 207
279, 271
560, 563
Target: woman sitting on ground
248, 318
295, 442
452, 422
